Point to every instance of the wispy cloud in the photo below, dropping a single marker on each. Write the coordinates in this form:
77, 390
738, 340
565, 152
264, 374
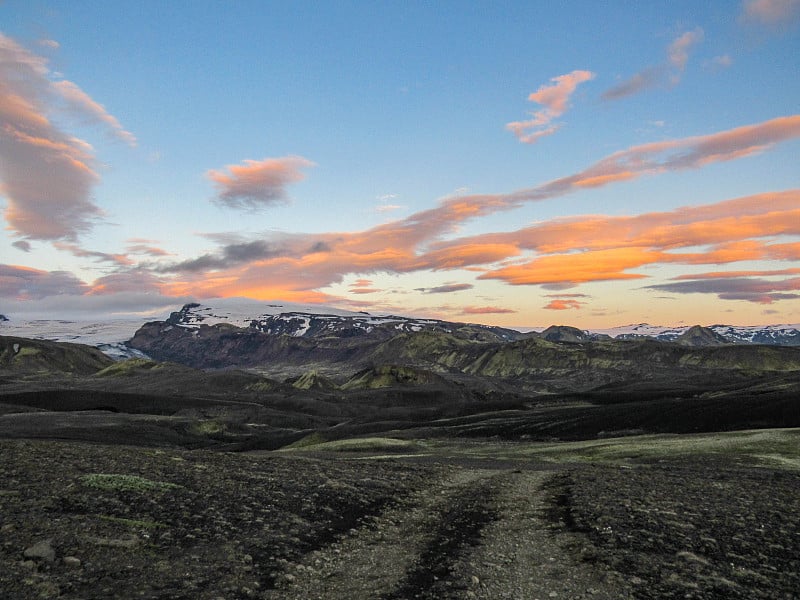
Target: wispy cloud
127, 281
76, 250
678, 50
761, 291
720, 62
82, 103
770, 12
447, 288
257, 184
486, 310
668, 72
46, 174
363, 286
730, 274
555, 100
145, 247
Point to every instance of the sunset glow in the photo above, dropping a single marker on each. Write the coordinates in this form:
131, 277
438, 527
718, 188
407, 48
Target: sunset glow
372, 158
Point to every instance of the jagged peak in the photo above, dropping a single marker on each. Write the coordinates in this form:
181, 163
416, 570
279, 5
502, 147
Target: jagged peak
698, 335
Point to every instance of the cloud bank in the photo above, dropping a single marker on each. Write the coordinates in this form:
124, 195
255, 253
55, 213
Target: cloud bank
557, 254
46, 174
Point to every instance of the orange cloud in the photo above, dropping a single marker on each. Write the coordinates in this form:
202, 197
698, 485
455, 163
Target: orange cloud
769, 214
258, 183
555, 99
563, 304
363, 286
601, 180
468, 254
307, 262
601, 265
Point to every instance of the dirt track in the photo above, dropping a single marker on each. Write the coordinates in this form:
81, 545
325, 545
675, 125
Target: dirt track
476, 534
212, 525
81, 520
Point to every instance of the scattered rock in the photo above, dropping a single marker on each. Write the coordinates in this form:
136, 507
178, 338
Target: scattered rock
41, 551
71, 561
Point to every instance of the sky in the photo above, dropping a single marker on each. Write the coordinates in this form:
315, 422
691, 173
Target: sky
511, 163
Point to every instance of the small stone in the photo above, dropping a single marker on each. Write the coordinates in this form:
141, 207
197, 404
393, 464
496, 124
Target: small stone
41, 551
553, 594
589, 553
475, 581
72, 561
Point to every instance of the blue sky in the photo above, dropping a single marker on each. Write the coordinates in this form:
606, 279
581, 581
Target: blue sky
365, 155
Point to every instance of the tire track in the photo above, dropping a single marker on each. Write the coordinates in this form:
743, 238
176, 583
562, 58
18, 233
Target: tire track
476, 534
402, 553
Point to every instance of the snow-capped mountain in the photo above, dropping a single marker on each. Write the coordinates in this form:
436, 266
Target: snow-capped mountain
109, 333
312, 321
773, 335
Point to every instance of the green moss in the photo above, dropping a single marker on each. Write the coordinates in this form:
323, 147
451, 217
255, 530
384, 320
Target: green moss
127, 367
207, 427
134, 523
262, 386
772, 447
117, 482
27, 351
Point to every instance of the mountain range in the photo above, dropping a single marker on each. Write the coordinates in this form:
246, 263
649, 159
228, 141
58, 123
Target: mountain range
290, 345
314, 321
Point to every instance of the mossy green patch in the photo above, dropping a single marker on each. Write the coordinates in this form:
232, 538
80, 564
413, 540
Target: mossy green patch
771, 447
127, 367
207, 427
27, 351
133, 523
263, 386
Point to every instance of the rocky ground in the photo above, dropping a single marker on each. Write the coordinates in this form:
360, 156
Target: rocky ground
702, 528
80, 520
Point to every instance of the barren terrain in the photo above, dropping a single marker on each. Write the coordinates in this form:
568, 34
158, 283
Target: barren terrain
140, 479
83, 520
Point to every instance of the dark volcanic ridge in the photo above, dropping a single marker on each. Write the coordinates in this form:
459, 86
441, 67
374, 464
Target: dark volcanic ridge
290, 345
